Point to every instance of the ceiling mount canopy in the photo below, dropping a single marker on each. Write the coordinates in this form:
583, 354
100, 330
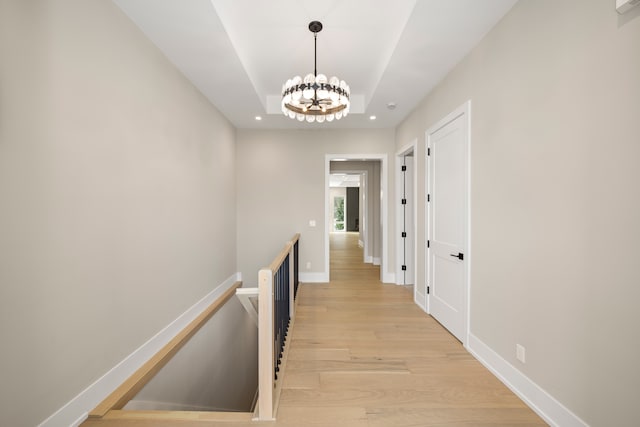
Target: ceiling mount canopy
315, 98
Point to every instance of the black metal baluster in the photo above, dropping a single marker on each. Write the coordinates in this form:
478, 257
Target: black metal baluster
295, 270
282, 314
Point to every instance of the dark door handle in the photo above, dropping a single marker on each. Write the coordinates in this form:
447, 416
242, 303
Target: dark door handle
459, 255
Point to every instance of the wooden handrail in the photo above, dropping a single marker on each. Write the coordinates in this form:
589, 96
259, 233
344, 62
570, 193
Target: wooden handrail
119, 398
283, 254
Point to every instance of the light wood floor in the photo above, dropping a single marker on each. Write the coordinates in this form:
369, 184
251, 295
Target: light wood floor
364, 355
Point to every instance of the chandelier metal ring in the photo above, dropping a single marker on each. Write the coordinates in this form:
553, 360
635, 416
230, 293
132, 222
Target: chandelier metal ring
315, 98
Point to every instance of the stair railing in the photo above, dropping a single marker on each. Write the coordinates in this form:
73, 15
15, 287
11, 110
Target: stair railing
278, 286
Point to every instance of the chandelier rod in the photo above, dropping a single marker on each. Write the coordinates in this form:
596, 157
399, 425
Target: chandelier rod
315, 27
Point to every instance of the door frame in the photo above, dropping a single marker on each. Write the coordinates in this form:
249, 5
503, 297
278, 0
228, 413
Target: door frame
412, 147
386, 276
463, 110
367, 258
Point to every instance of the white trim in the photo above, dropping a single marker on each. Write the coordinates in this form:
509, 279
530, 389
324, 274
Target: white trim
368, 260
418, 298
319, 277
77, 409
385, 274
469, 255
364, 182
364, 201
244, 295
376, 261
389, 278
82, 418
412, 147
463, 110
398, 209
384, 215
545, 405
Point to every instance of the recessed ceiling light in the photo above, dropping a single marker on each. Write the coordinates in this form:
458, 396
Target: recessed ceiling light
372, 117
258, 118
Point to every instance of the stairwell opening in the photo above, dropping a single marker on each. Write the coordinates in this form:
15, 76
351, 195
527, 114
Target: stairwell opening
216, 370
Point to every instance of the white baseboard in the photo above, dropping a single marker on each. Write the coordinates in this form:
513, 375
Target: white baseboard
418, 297
360, 244
78, 408
368, 259
323, 277
319, 277
545, 405
376, 261
389, 278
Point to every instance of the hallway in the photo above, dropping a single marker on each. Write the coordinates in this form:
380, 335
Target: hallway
364, 355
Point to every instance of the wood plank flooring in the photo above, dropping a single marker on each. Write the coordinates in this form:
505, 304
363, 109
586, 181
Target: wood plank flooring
364, 355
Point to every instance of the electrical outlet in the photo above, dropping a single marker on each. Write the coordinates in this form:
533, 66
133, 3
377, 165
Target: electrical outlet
308, 265
520, 353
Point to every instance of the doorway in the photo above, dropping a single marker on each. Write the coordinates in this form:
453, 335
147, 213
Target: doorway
344, 194
406, 214
447, 221
353, 209
373, 201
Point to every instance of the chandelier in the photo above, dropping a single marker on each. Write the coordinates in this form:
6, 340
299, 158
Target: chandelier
315, 98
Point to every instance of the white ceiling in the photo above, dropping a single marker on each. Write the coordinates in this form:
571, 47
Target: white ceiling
344, 180
238, 53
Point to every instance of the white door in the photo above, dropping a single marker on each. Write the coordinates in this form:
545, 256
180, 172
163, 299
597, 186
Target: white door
447, 211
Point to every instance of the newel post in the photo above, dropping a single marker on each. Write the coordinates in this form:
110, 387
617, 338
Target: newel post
265, 345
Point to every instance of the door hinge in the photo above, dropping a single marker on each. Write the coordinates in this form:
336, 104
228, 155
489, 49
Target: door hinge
404, 268
404, 168
428, 244
427, 290
428, 151
404, 201
404, 234
428, 197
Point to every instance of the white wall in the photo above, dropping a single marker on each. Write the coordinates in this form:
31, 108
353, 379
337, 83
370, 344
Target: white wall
281, 186
117, 192
555, 203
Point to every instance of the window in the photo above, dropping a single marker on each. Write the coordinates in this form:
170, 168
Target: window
338, 213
